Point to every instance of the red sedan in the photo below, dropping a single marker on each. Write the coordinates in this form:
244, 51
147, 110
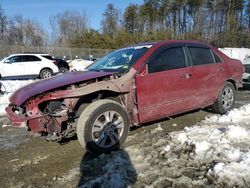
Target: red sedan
128, 87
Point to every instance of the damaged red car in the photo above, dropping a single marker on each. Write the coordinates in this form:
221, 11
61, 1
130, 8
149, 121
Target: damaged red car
128, 87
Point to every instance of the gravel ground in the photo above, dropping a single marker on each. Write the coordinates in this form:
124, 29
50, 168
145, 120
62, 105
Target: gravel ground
151, 157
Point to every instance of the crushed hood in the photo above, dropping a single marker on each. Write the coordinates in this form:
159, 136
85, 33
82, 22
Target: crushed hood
24, 93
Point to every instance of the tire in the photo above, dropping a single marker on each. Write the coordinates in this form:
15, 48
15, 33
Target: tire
226, 99
102, 126
46, 73
63, 69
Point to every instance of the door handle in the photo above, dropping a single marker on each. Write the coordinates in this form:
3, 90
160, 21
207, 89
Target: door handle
186, 76
221, 70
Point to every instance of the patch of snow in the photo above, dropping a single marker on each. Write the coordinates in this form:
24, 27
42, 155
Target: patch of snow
240, 115
9, 86
159, 128
237, 133
167, 148
223, 138
201, 148
5, 126
182, 137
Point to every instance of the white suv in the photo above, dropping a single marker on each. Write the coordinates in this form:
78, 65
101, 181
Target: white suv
27, 65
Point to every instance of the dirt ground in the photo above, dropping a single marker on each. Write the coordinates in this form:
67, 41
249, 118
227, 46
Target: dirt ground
33, 162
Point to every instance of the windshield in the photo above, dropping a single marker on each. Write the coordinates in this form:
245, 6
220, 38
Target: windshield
120, 60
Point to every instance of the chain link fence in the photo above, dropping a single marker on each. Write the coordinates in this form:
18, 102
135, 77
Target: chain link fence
65, 53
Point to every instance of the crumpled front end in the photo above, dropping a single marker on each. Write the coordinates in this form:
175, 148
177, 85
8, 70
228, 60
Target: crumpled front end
49, 118
54, 113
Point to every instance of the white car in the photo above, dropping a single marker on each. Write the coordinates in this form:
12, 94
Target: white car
246, 74
27, 65
79, 64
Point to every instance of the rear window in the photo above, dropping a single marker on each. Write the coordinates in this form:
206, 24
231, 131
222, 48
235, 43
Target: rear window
201, 56
48, 57
30, 58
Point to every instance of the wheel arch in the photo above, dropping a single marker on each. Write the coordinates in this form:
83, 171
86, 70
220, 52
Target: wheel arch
232, 81
44, 69
85, 100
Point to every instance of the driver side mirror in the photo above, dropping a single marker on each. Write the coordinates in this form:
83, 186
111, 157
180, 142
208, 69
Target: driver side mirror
7, 61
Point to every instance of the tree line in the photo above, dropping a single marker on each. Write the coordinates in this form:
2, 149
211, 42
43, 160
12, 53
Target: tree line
223, 23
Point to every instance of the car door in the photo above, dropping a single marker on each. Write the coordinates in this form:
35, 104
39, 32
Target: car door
167, 88
33, 64
13, 66
208, 73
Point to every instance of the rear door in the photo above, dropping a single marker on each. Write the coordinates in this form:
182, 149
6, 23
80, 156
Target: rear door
14, 66
208, 73
167, 88
33, 64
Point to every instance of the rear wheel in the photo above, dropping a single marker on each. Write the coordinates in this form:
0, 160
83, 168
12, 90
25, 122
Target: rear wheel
226, 99
46, 73
63, 69
102, 126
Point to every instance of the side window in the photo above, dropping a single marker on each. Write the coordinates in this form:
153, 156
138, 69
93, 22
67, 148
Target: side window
30, 58
171, 58
216, 58
15, 59
201, 56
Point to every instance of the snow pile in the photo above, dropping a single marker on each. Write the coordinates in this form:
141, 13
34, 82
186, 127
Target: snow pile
222, 141
235, 116
9, 86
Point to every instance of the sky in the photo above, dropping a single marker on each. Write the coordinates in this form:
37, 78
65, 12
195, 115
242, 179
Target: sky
42, 10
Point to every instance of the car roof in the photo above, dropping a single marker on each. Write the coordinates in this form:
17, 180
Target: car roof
30, 54
187, 42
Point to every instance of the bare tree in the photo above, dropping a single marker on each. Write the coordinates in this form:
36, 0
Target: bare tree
3, 24
111, 20
25, 32
67, 25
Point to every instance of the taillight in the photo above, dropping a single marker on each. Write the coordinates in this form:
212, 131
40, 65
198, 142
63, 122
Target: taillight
55, 62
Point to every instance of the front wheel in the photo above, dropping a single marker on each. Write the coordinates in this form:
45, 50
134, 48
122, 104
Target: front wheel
226, 99
102, 126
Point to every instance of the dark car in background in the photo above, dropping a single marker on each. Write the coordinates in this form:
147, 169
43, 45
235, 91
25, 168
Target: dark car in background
128, 87
60, 63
